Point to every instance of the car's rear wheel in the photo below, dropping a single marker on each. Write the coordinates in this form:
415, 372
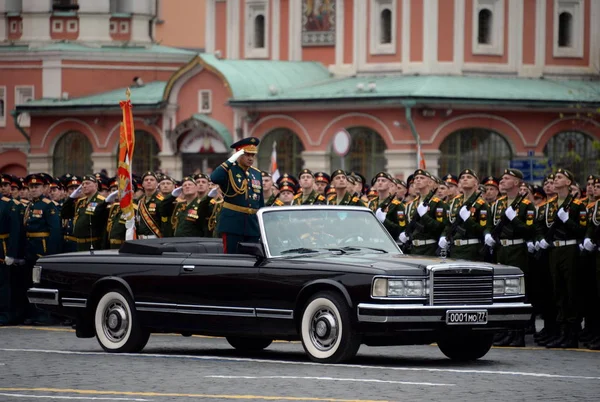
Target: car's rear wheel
117, 328
466, 347
249, 344
326, 329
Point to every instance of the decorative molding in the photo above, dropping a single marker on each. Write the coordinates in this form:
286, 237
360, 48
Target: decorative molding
67, 120
303, 130
594, 36
360, 29
295, 30
496, 47
157, 135
556, 121
376, 7
117, 67
377, 120
577, 10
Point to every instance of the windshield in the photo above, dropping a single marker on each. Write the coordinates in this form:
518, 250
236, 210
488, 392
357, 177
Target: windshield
307, 230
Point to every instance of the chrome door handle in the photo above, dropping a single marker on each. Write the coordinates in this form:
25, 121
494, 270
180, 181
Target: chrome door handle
188, 268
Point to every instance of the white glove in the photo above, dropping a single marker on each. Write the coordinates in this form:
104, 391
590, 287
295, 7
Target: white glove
177, 192
489, 240
537, 245
380, 215
587, 244
464, 213
112, 197
76, 193
563, 215
510, 213
403, 238
581, 248
422, 209
235, 156
544, 244
213, 192
9, 260
530, 247
443, 243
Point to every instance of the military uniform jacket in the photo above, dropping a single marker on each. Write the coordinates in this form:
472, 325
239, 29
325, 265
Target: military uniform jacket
148, 215
433, 223
215, 206
10, 227
394, 212
347, 199
242, 197
573, 229
476, 227
191, 219
89, 219
522, 227
42, 229
271, 200
115, 227
593, 227
313, 198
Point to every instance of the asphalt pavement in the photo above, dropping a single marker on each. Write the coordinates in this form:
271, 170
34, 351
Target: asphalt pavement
51, 364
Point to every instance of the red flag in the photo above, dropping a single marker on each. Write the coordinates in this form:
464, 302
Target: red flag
274, 168
422, 161
126, 146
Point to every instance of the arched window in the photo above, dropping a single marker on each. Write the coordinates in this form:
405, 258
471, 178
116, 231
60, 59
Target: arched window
574, 151
289, 151
366, 155
385, 22
484, 33
565, 29
145, 153
475, 148
72, 154
259, 31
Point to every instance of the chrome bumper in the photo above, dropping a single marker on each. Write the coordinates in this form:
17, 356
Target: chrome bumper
43, 296
407, 313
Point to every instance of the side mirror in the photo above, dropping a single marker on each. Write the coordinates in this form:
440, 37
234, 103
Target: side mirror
255, 249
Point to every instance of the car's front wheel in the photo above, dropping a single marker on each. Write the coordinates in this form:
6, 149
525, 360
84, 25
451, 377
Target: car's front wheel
466, 347
326, 329
117, 327
248, 344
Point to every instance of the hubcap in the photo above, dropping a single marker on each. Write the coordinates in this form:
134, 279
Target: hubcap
116, 321
324, 329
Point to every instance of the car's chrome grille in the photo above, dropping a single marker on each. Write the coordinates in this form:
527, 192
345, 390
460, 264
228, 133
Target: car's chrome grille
462, 286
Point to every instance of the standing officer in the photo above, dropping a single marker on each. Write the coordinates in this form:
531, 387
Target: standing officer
342, 196
115, 224
385, 205
518, 230
242, 195
590, 243
71, 183
492, 189
269, 193
308, 195
322, 180
89, 214
148, 217
464, 237
190, 216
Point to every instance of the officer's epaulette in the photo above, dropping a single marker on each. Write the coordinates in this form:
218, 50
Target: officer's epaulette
435, 199
297, 196
160, 197
55, 203
354, 199
553, 198
395, 202
526, 201
46, 200
320, 198
458, 196
15, 201
331, 197
253, 168
590, 205
135, 207
100, 197
212, 201
480, 201
278, 203
5, 199
501, 198
577, 202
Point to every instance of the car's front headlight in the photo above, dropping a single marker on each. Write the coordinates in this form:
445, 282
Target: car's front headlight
36, 274
510, 286
392, 287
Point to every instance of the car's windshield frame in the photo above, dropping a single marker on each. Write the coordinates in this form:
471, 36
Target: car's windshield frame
307, 209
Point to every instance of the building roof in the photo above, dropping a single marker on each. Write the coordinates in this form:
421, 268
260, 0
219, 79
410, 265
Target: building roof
79, 47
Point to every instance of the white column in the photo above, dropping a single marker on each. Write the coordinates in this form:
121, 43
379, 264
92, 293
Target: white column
36, 6
209, 34
233, 29
459, 35
171, 164
3, 28
339, 33
317, 161
36, 20
139, 28
39, 163
403, 161
104, 160
430, 34
275, 28
295, 30
51, 78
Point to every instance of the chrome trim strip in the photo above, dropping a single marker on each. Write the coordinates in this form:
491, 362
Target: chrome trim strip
439, 319
195, 309
51, 300
388, 307
197, 312
274, 313
73, 302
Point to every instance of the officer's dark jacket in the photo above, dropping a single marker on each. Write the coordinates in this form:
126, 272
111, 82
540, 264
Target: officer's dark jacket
89, 220
10, 227
191, 219
42, 229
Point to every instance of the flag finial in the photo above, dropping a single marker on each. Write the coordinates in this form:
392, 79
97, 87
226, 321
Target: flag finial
128, 93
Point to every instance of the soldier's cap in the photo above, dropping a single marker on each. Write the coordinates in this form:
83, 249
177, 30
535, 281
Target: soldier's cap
137, 183
5, 179
351, 179
114, 182
306, 171
73, 181
48, 178
597, 180
331, 190
249, 145
451, 179
566, 173
287, 186
409, 180
149, 173
265, 174
359, 177
64, 179
372, 194
168, 178
528, 186
189, 178
550, 177
338, 173
491, 181
322, 177
199, 176
469, 171
425, 173
538, 191
19, 183
55, 183
382, 174
591, 177
89, 177
514, 173
287, 177
400, 182
34, 179
100, 176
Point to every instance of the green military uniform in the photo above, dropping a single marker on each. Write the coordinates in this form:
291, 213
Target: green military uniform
347, 199
593, 233
429, 227
190, 219
148, 216
394, 214
589, 304
115, 227
313, 198
10, 233
271, 200
215, 206
467, 238
167, 208
89, 220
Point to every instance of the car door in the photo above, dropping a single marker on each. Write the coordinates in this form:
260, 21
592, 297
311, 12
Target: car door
215, 293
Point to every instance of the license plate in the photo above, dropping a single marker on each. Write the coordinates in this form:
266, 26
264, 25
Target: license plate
466, 317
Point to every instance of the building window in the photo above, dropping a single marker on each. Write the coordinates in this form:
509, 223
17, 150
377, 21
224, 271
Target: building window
205, 101
569, 23
475, 148
2, 106
13, 26
58, 26
65, 5
257, 29
484, 35
383, 26
289, 151
24, 94
366, 155
113, 27
574, 151
72, 25
72, 154
124, 27
146, 153
488, 27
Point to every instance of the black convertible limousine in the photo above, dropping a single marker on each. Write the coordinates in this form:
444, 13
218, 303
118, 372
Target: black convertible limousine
331, 277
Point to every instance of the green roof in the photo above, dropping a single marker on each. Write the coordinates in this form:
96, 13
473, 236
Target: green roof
78, 47
217, 126
148, 94
441, 88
